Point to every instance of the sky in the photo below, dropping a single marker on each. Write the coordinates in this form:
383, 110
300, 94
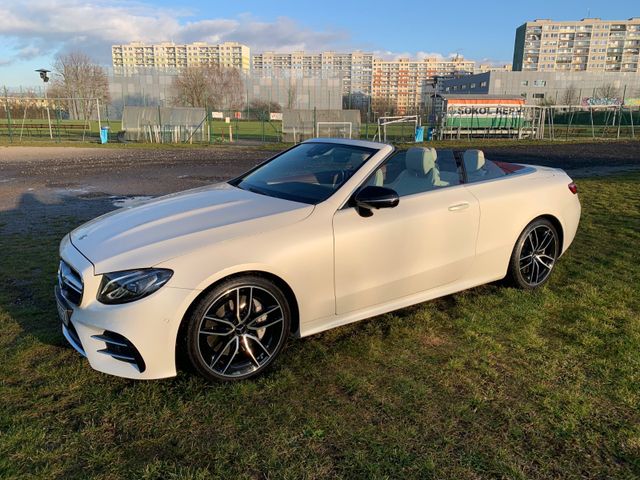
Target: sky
33, 32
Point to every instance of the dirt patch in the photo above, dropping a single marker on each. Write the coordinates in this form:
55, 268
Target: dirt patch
41, 184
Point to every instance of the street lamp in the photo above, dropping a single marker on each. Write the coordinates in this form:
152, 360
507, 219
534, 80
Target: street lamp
45, 78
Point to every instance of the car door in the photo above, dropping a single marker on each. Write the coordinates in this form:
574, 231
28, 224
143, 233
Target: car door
427, 241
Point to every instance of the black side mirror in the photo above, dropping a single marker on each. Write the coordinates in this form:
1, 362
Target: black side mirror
375, 197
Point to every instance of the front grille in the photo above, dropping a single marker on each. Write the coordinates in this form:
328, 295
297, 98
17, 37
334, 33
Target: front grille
70, 283
120, 348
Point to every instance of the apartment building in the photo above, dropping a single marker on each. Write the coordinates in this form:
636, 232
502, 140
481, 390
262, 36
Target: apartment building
398, 86
488, 67
590, 44
174, 57
354, 68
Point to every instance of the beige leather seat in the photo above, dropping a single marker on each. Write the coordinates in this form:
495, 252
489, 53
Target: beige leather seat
474, 164
421, 173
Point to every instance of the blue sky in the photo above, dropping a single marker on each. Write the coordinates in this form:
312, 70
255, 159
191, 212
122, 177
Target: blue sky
33, 31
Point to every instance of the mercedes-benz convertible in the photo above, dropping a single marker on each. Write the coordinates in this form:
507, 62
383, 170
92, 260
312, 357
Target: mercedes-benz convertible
323, 234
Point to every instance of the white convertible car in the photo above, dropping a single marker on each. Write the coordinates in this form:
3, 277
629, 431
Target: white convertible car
324, 234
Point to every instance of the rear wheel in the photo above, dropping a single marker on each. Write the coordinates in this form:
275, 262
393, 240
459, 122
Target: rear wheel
534, 255
238, 329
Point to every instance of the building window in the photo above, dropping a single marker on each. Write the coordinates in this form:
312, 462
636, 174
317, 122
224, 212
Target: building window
539, 83
538, 95
524, 83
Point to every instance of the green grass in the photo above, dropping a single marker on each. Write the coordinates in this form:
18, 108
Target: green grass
489, 383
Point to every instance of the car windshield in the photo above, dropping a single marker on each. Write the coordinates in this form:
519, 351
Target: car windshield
308, 173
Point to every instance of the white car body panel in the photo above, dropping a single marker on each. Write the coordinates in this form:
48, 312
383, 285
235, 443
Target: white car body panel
419, 245
341, 267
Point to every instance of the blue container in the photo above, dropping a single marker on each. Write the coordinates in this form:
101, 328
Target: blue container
419, 134
104, 134
429, 134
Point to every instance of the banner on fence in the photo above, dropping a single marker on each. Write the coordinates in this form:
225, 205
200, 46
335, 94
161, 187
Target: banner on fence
632, 102
275, 116
217, 115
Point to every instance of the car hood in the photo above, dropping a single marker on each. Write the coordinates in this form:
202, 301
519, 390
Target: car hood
151, 232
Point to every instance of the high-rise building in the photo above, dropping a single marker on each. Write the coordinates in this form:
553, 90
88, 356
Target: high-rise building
171, 56
590, 44
398, 86
354, 68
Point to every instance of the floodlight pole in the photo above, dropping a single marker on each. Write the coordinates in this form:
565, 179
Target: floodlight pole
46, 101
43, 75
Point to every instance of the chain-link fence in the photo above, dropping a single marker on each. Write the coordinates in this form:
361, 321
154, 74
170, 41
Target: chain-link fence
26, 118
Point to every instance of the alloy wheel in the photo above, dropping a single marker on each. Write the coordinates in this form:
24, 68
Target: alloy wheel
538, 255
240, 331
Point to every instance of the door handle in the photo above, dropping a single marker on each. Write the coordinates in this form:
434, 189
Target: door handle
458, 206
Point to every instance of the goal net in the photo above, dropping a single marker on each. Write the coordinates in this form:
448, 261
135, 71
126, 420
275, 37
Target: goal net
300, 125
334, 129
400, 128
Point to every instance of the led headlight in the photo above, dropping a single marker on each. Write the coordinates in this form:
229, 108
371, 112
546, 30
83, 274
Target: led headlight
130, 285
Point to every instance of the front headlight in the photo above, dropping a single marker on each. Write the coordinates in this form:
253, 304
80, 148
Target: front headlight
130, 285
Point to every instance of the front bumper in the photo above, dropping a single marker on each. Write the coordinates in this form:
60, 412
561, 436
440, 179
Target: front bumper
135, 340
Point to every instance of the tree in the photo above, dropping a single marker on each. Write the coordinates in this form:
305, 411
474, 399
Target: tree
607, 90
209, 86
262, 108
79, 81
570, 96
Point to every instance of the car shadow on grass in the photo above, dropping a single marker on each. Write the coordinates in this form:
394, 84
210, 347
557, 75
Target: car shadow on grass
29, 237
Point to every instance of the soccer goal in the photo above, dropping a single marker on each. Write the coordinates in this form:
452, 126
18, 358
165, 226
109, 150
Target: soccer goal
400, 128
334, 129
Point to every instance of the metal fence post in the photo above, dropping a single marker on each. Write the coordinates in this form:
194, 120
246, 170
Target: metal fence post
619, 121
8, 110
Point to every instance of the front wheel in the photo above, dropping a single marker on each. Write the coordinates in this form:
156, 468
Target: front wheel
534, 255
238, 329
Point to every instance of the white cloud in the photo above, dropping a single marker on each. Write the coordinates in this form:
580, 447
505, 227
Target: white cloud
44, 27
420, 55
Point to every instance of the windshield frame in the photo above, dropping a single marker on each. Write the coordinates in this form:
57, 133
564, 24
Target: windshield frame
371, 148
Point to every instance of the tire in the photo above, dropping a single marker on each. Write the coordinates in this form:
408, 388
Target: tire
228, 344
534, 255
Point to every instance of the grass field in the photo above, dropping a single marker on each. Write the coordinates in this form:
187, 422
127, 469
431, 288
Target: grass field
492, 382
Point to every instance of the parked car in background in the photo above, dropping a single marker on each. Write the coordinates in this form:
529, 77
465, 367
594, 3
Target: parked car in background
324, 234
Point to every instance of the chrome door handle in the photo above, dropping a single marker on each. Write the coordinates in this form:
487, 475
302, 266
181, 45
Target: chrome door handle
458, 206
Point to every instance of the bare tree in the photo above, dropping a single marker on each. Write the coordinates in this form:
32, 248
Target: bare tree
262, 108
607, 90
209, 86
570, 95
80, 81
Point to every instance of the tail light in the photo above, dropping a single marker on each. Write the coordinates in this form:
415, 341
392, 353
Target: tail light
573, 187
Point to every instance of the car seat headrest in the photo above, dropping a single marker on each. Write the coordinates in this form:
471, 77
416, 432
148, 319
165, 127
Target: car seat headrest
473, 160
421, 160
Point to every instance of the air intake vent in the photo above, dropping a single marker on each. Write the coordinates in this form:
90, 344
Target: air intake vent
121, 349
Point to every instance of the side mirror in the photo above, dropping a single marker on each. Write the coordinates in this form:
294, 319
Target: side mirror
376, 197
